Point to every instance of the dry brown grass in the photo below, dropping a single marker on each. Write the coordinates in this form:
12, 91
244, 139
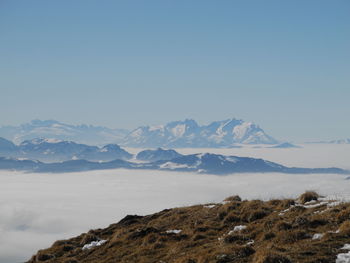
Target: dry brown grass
232, 198
344, 228
308, 196
276, 232
270, 257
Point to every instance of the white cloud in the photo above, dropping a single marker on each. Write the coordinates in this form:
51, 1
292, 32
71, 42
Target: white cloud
310, 155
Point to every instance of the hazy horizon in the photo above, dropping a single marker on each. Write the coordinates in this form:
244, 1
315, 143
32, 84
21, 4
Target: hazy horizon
283, 138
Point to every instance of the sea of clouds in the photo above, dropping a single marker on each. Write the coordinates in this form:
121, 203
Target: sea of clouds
37, 209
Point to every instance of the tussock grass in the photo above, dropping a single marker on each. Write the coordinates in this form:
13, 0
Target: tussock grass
276, 231
308, 196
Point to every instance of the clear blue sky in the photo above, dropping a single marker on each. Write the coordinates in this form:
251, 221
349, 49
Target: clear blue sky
282, 64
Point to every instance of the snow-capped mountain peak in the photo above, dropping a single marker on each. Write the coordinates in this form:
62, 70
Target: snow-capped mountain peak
188, 133
41, 141
87, 134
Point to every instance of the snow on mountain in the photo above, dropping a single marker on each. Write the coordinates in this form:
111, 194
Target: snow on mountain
220, 164
106, 153
52, 149
175, 134
87, 134
209, 163
157, 155
188, 133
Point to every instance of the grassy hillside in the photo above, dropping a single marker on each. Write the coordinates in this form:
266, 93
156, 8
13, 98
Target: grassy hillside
310, 229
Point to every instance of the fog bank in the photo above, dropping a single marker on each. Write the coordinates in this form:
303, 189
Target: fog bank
37, 209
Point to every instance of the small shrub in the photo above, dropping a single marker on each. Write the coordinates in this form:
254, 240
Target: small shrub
308, 196
233, 198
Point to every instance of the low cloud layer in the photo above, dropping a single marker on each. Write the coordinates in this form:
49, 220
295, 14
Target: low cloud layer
309, 156
37, 209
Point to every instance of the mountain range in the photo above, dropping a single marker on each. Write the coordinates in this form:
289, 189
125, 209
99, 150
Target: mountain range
88, 134
157, 155
198, 163
176, 134
52, 155
53, 150
187, 133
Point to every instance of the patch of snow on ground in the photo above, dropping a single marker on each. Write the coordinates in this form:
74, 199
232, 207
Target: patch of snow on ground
209, 206
313, 204
237, 229
317, 236
344, 257
250, 243
346, 247
174, 231
94, 244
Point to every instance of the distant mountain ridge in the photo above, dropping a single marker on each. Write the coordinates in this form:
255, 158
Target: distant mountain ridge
176, 134
157, 155
187, 133
205, 163
87, 134
53, 150
56, 156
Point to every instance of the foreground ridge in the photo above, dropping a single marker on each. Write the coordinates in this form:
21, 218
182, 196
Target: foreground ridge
309, 229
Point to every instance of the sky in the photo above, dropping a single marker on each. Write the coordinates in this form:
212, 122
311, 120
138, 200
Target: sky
281, 64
